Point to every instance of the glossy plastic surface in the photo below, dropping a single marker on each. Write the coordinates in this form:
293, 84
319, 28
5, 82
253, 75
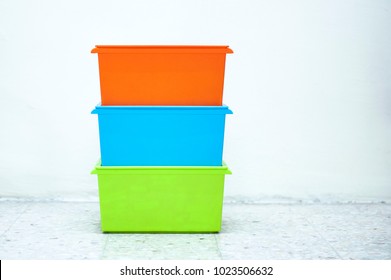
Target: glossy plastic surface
161, 135
161, 199
162, 75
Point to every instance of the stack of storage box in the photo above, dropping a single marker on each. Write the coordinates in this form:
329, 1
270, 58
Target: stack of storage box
161, 129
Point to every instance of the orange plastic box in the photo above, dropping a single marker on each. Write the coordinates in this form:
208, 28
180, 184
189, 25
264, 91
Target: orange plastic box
162, 75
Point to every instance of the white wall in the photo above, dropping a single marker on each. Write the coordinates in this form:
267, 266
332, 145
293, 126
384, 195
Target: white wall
309, 83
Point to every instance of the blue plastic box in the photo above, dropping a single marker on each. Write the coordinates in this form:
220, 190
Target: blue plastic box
161, 135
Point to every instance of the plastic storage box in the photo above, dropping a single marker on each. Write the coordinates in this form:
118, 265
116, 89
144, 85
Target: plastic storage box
161, 199
161, 75
161, 135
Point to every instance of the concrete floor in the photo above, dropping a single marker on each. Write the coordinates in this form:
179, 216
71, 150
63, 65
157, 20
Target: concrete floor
71, 230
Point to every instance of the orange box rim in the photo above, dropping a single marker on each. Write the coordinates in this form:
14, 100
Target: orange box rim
161, 49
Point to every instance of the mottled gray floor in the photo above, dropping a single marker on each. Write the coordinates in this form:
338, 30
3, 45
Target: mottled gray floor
71, 230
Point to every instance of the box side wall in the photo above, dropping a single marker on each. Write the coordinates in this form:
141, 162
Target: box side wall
162, 79
161, 140
166, 203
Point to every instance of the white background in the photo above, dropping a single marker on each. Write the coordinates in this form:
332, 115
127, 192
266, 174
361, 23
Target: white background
309, 84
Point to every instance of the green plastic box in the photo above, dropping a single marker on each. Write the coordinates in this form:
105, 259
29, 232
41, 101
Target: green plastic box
161, 199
